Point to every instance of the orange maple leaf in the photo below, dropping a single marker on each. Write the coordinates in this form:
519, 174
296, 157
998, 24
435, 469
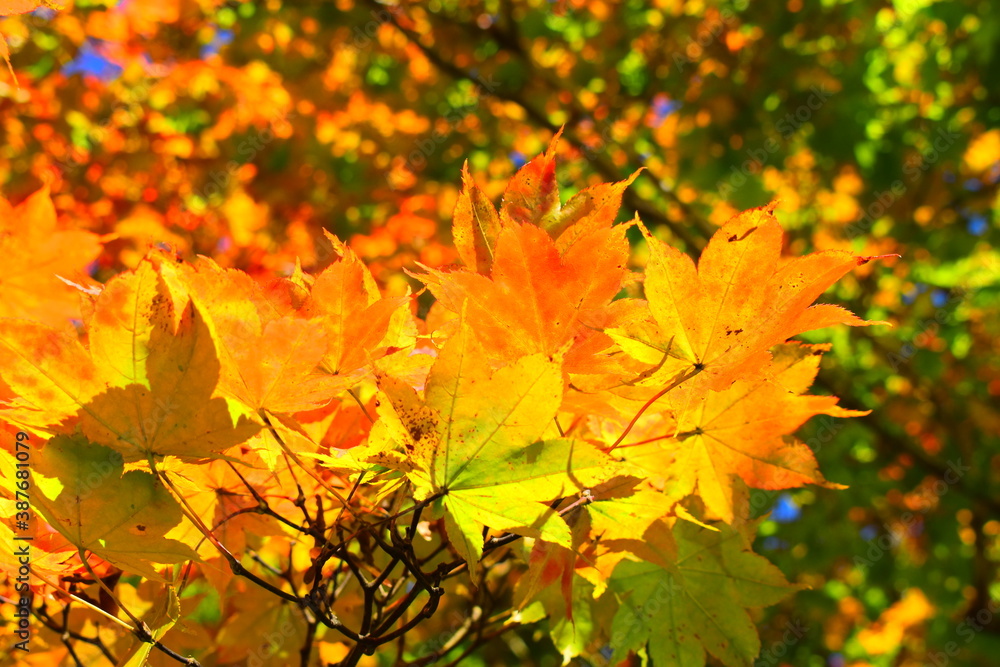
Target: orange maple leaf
291, 345
742, 432
540, 274
41, 259
715, 321
536, 295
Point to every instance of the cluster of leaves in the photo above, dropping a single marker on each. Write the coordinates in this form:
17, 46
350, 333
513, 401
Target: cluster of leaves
239, 130
535, 440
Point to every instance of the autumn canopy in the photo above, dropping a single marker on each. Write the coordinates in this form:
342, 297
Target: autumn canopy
197, 407
515, 333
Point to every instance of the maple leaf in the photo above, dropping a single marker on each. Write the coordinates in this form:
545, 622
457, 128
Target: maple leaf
476, 225
540, 275
39, 258
51, 554
170, 409
280, 371
697, 606
357, 316
84, 493
476, 439
718, 319
536, 297
268, 355
740, 432
49, 372
144, 388
290, 346
532, 195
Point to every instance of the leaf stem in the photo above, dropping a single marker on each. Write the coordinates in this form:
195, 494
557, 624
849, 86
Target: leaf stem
678, 380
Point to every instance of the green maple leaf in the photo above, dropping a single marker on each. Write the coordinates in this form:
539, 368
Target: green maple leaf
699, 606
476, 439
123, 518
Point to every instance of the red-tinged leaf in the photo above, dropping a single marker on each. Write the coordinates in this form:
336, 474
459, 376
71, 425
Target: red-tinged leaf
476, 439
593, 208
532, 196
285, 349
534, 298
344, 296
547, 564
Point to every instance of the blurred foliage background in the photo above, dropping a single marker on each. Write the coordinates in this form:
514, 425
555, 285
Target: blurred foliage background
241, 129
